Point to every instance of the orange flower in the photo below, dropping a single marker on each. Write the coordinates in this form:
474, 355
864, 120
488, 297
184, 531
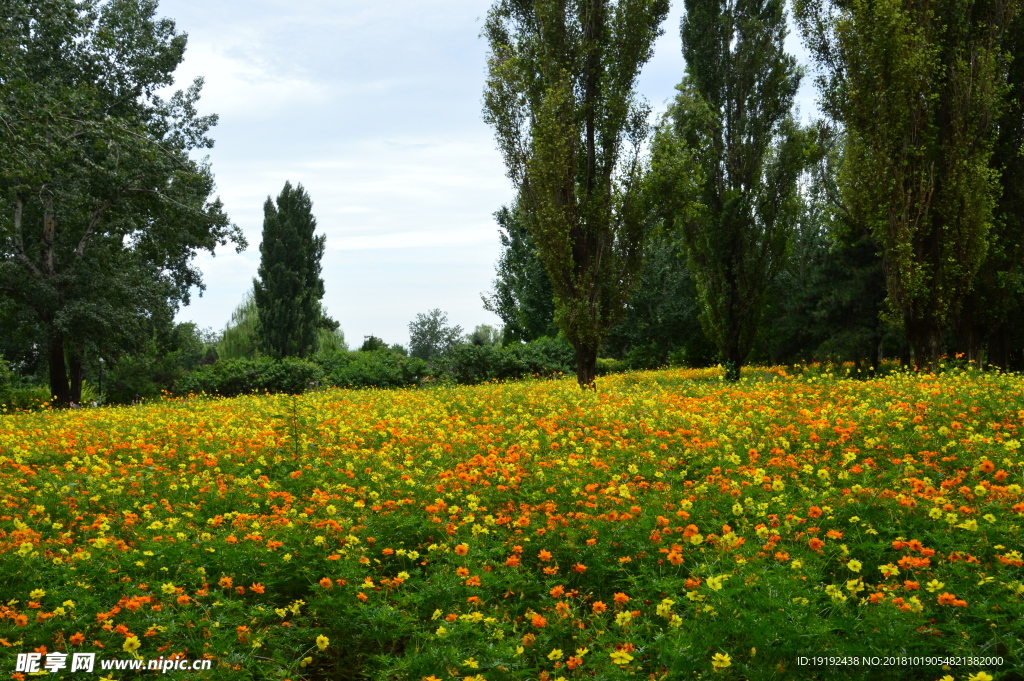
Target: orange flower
539, 622
814, 512
816, 544
226, 582
473, 581
77, 639
834, 534
258, 588
579, 567
512, 561
674, 558
361, 596
326, 583
544, 555
910, 585
183, 599
946, 599
621, 598
599, 607
461, 549
462, 572
557, 592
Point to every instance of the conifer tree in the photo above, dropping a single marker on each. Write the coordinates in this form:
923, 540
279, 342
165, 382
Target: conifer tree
289, 288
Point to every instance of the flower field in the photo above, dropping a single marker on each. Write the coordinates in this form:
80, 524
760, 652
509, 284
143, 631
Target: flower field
669, 526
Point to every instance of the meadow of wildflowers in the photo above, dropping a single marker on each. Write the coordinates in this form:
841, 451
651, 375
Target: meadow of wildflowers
668, 526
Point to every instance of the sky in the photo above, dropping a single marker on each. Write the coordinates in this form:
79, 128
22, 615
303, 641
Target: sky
375, 108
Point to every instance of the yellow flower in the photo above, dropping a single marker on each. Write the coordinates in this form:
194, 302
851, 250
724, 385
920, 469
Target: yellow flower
131, 644
168, 588
471, 663
980, 676
721, 661
696, 539
621, 657
322, 642
37, 594
555, 654
305, 661
623, 618
889, 570
715, 583
934, 585
854, 565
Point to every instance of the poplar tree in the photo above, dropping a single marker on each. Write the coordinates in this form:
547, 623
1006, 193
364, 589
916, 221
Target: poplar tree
289, 288
560, 96
918, 86
726, 162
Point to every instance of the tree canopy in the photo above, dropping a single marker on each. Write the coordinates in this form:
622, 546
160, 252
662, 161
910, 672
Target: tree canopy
102, 208
560, 97
289, 288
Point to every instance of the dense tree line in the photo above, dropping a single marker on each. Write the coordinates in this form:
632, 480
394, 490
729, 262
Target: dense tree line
727, 232
891, 227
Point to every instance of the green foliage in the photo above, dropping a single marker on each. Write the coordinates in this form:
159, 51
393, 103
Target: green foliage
469, 364
661, 326
155, 366
431, 337
560, 96
826, 303
726, 162
244, 376
522, 295
238, 340
101, 206
485, 334
288, 291
371, 343
379, 368
918, 172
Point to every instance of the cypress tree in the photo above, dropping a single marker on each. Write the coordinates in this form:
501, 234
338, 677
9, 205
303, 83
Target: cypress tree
289, 288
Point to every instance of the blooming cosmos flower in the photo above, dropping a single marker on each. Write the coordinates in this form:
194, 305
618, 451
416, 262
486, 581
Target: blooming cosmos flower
621, 657
322, 642
720, 661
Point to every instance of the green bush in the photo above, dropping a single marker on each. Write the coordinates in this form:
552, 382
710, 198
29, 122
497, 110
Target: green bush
469, 363
243, 376
24, 399
373, 369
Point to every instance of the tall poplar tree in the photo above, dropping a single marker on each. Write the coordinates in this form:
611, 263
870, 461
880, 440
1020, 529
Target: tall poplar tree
560, 96
726, 162
918, 86
289, 288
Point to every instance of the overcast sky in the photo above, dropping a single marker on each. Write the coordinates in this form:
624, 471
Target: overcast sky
374, 107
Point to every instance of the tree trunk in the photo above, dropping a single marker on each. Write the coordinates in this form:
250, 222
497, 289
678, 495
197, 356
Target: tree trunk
733, 363
77, 374
586, 366
60, 391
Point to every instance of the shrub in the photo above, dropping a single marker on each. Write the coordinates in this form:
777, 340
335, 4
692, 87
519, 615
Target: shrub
242, 376
374, 369
469, 363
